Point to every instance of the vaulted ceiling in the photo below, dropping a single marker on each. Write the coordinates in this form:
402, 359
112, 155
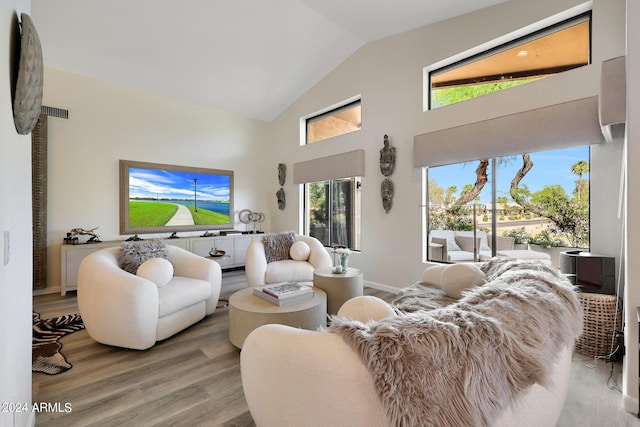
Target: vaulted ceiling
249, 57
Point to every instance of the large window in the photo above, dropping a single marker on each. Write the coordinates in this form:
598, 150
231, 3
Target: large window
553, 50
332, 212
338, 120
538, 201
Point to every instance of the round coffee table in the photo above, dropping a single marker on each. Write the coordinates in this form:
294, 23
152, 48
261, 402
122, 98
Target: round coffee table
247, 312
339, 287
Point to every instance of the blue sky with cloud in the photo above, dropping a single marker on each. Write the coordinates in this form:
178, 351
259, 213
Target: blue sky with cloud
171, 184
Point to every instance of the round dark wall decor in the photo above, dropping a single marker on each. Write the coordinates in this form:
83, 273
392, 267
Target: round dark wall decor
28, 98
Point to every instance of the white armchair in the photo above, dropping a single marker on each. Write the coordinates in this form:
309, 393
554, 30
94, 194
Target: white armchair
126, 310
260, 272
315, 378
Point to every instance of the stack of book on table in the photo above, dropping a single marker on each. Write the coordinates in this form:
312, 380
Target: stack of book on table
284, 293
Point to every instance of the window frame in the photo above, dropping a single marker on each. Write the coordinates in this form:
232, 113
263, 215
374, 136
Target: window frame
325, 113
501, 45
492, 188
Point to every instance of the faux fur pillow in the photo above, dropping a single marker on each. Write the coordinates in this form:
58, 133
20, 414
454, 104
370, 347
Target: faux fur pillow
133, 254
277, 246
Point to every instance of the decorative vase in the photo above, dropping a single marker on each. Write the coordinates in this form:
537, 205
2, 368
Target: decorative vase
344, 262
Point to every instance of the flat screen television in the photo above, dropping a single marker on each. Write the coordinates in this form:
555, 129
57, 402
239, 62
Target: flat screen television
158, 198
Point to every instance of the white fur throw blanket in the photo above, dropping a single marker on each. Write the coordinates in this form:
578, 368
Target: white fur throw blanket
463, 364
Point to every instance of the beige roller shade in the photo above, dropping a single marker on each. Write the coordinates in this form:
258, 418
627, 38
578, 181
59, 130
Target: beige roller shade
344, 165
557, 126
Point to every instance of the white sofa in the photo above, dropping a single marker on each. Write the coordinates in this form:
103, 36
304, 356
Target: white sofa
124, 310
260, 272
458, 246
294, 377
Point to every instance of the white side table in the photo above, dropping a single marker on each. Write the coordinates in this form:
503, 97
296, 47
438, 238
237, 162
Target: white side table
339, 287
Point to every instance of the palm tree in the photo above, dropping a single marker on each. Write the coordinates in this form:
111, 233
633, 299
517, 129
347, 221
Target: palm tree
580, 168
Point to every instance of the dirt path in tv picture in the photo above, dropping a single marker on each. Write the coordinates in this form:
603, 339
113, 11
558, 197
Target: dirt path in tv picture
181, 217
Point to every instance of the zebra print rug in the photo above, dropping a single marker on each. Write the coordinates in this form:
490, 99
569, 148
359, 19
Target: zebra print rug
45, 355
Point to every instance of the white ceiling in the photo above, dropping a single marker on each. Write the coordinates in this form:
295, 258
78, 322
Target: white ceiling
249, 57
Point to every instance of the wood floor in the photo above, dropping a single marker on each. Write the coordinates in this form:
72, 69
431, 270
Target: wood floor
193, 379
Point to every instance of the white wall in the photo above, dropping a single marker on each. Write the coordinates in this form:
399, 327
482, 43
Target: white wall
108, 123
388, 74
632, 291
15, 218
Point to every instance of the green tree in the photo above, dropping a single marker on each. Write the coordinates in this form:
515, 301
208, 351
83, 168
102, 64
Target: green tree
551, 197
450, 195
436, 193
318, 200
580, 168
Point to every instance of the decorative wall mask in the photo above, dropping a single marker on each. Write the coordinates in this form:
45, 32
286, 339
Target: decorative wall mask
387, 158
387, 166
282, 203
28, 96
386, 191
282, 173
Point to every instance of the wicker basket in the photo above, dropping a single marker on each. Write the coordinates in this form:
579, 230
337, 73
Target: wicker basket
600, 320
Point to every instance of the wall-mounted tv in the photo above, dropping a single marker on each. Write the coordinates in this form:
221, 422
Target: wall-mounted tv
157, 198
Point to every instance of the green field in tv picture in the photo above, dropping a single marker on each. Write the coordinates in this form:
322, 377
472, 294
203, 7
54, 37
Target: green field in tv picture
157, 214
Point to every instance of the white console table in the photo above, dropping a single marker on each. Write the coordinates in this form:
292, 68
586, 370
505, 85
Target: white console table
234, 246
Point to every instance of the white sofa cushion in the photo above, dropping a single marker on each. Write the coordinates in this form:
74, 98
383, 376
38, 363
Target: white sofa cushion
465, 240
158, 270
181, 292
460, 256
300, 251
289, 271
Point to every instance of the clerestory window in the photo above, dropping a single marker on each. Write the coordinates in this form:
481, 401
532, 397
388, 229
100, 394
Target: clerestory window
555, 49
338, 120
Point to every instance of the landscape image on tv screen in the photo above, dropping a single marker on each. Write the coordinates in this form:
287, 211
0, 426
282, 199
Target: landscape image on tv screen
174, 198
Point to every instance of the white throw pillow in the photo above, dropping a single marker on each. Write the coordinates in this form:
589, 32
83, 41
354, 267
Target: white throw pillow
300, 251
157, 270
456, 278
432, 275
